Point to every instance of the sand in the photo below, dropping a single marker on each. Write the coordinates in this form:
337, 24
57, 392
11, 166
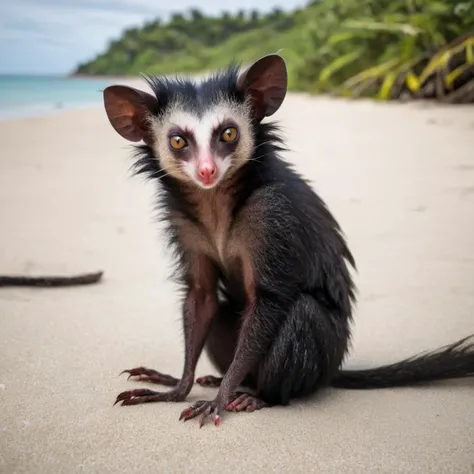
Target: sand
400, 180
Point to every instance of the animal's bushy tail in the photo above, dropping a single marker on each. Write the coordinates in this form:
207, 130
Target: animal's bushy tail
449, 362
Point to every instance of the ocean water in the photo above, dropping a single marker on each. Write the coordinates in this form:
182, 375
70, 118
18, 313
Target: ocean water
36, 95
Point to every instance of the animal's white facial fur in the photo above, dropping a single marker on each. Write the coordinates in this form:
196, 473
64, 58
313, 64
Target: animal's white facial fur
202, 129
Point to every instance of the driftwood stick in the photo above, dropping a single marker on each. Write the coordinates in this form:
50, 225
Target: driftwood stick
51, 281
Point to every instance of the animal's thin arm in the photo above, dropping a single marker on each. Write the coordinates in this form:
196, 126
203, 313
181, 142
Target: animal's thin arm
259, 329
266, 306
199, 308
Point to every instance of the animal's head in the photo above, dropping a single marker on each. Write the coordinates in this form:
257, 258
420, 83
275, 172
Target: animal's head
200, 133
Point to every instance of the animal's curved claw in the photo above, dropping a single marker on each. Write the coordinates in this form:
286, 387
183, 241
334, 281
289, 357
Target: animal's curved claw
150, 375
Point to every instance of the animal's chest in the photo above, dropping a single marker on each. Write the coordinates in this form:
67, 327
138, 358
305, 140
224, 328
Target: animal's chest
212, 232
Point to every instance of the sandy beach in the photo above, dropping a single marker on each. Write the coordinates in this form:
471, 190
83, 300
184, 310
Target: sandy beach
399, 179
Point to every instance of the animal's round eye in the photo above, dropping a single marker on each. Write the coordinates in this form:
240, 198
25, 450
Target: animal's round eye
177, 142
229, 134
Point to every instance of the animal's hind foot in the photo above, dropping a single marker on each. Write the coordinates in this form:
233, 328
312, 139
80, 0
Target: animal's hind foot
209, 381
246, 402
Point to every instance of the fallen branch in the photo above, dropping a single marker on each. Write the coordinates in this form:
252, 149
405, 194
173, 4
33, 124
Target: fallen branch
51, 281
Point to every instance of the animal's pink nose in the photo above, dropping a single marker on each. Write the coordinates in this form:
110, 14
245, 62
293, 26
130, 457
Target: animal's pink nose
207, 172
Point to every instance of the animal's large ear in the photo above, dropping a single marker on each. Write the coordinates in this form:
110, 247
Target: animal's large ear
265, 81
127, 110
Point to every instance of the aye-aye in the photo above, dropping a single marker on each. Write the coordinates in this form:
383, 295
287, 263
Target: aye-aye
262, 262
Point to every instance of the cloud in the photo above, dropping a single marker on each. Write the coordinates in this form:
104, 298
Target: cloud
55, 35
77, 30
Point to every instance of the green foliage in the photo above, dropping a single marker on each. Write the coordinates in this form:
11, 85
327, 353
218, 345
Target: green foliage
410, 47
188, 43
379, 48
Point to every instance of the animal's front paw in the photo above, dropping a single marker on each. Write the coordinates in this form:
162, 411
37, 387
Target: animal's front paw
206, 409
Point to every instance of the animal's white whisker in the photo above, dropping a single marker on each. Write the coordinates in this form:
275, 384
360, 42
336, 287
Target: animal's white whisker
262, 144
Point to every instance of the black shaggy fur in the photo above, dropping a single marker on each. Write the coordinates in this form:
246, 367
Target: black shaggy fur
305, 292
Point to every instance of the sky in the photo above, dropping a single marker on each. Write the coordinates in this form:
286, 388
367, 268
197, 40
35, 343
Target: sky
53, 36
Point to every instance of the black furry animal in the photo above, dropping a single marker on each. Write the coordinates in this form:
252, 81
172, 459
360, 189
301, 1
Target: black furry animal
263, 264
